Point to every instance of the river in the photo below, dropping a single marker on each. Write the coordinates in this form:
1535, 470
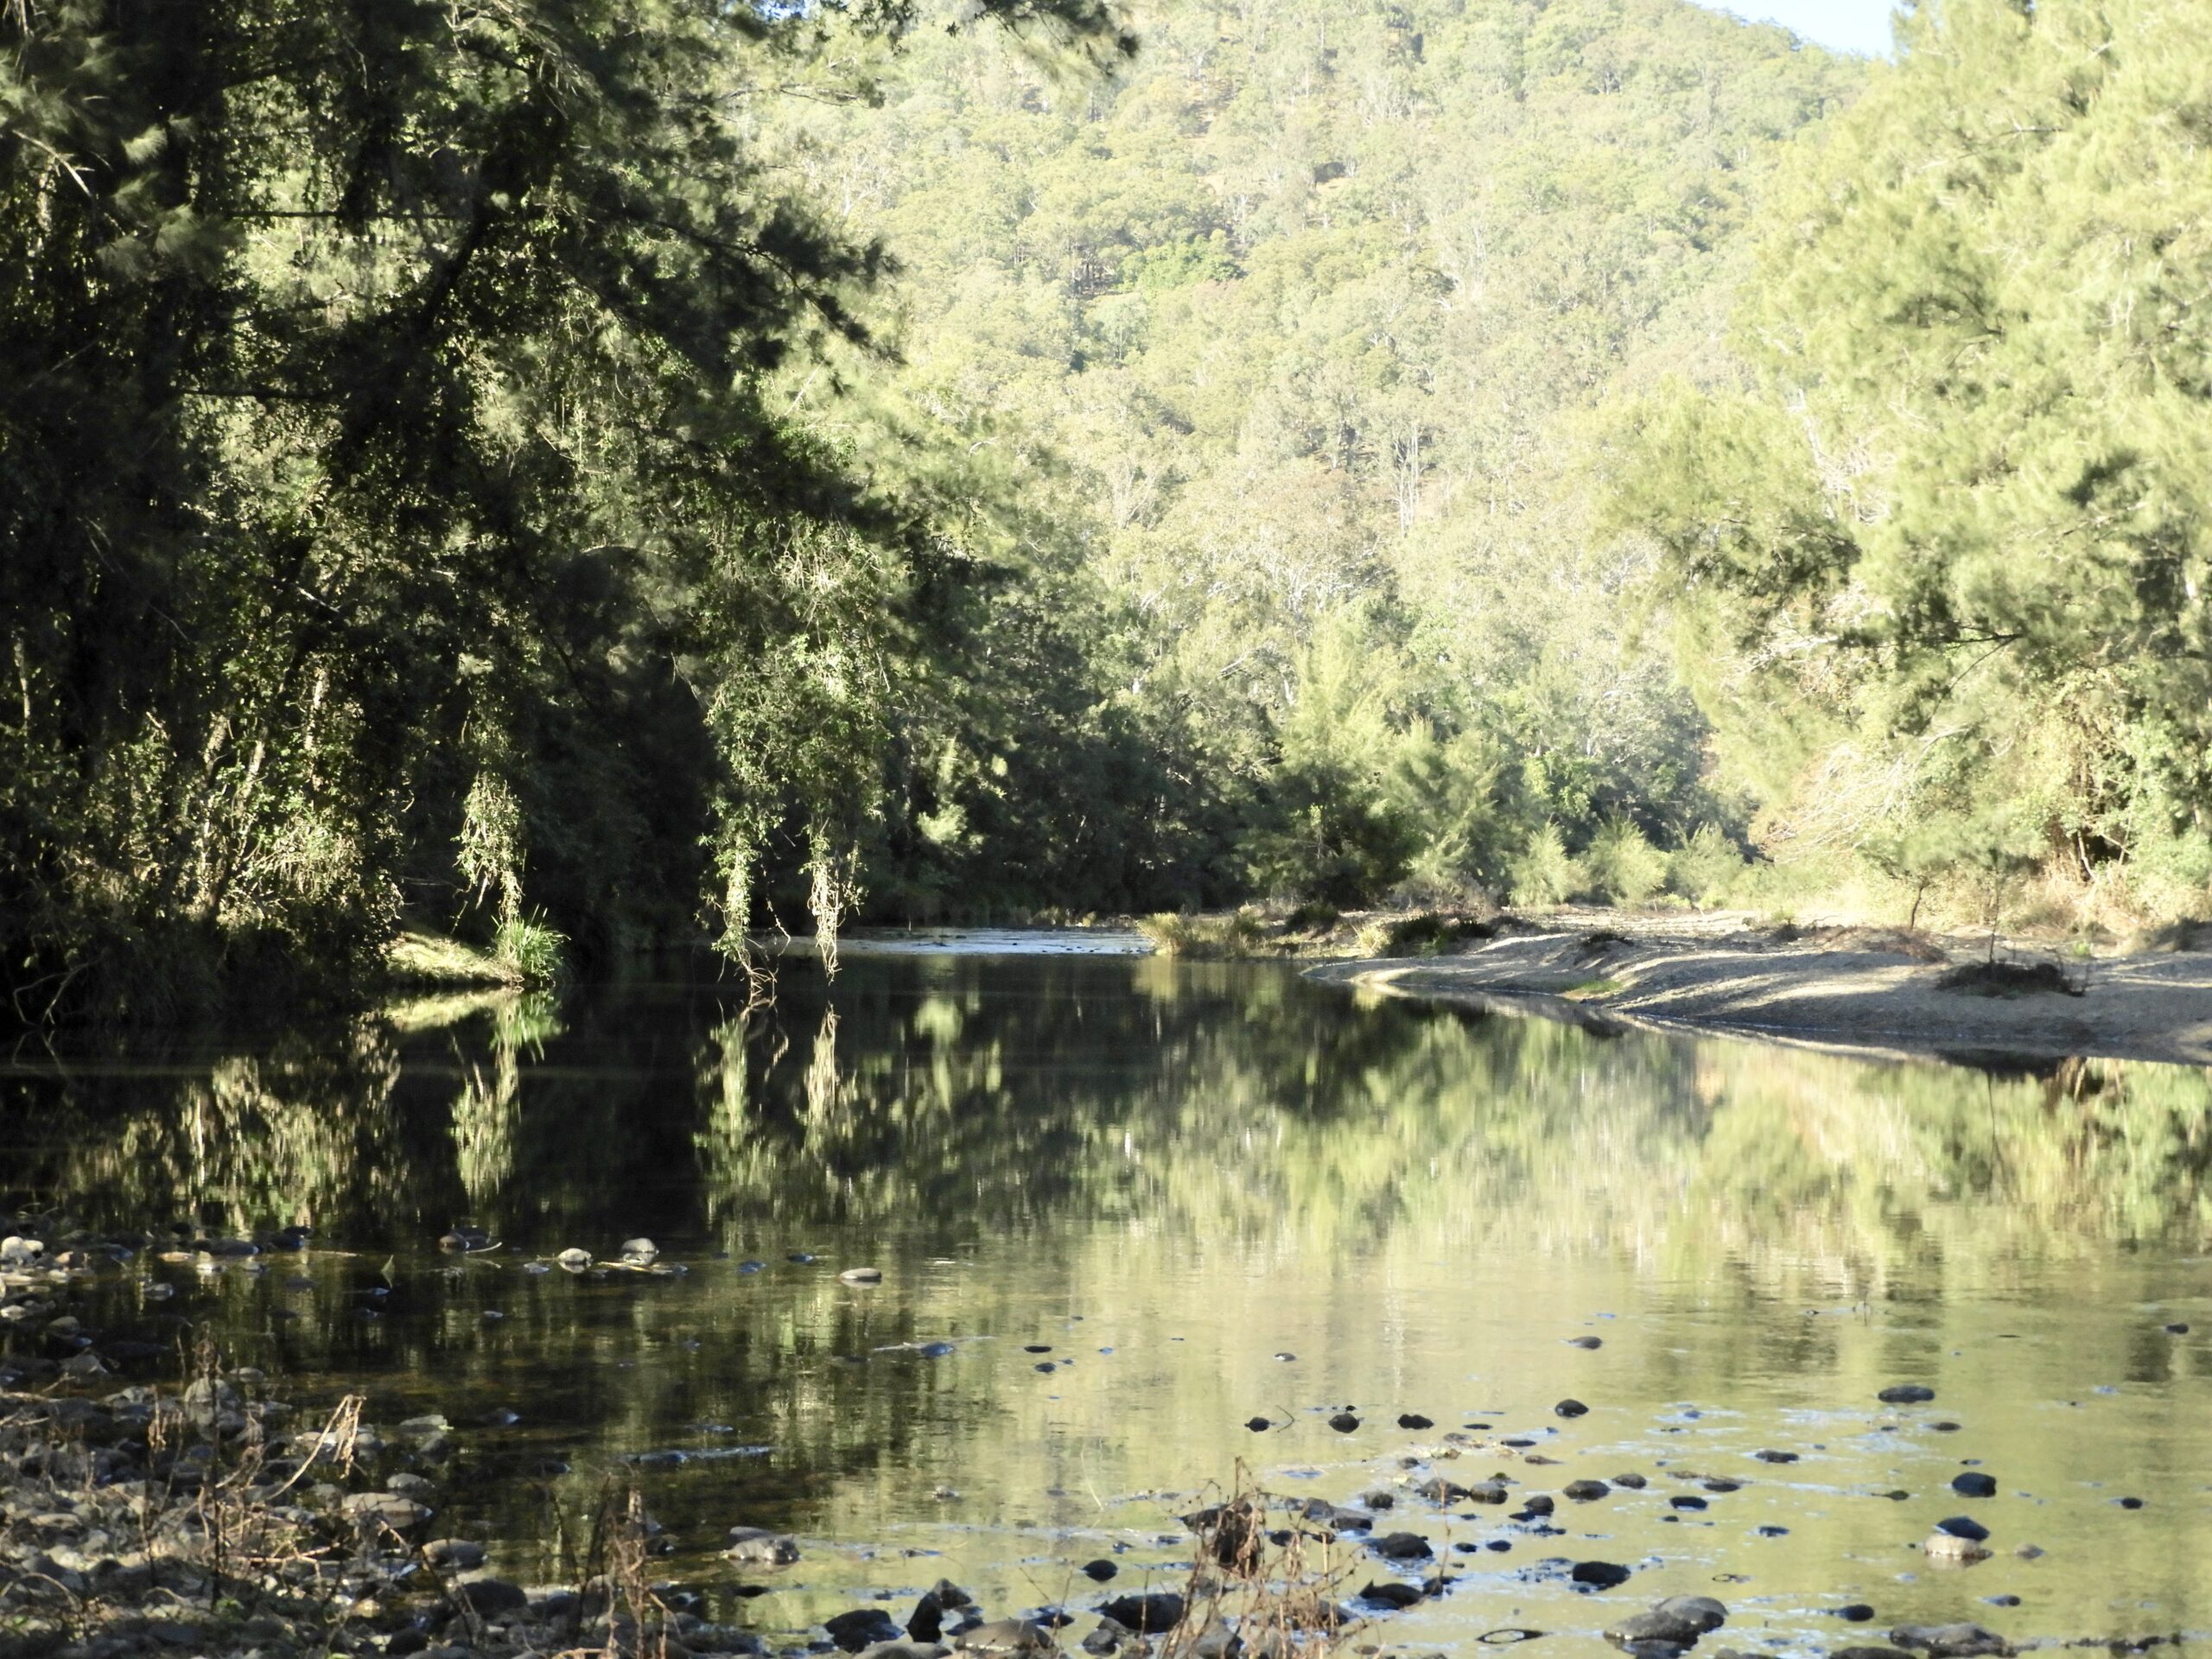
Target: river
1123, 1206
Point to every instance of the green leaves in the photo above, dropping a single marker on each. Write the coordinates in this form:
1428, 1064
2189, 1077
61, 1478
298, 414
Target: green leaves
1959, 520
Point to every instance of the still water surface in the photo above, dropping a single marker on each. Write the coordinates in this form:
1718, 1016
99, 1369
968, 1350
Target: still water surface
1144, 1201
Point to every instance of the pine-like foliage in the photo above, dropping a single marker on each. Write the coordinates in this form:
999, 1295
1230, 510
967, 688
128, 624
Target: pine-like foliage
1952, 550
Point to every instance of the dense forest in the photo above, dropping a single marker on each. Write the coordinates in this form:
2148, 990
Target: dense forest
592, 476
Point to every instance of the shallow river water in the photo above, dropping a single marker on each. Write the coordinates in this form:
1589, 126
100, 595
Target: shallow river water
1123, 1206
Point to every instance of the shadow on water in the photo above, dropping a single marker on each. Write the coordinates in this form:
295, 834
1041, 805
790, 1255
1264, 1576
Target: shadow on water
1163, 1175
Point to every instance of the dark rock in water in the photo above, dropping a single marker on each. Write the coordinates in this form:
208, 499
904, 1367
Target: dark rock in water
863, 1627
1037, 1348
1684, 1502
1973, 1484
751, 1267
1045, 1365
1486, 1492
1605, 1575
2002, 1601
1678, 1621
1402, 1547
1147, 1615
1343, 1422
1868, 1653
1634, 1483
2177, 1329
754, 1648
485, 1596
1906, 1394
1391, 1594
1948, 1641
1773, 1532
758, 1544
1719, 1483
2129, 1502
1964, 1526
459, 1554
1414, 1419
805, 1259
1946, 1427
1440, 1490
1099, 1570
1499, 1546
1856, 1612
1586, 1342
1537, 1503
1571, 1408
1583, 1491
1110, 1638
942, 1597
1775, 1457
1258, 1425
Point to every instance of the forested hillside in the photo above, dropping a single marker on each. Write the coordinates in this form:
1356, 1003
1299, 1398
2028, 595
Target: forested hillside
1268, 364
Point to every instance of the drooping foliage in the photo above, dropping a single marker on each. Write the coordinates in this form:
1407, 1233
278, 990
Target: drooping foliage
394, 506
1948, 547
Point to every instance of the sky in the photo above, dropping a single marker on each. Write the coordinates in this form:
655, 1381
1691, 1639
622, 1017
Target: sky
1860, 26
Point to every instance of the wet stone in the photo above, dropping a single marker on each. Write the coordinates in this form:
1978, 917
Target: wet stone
1414, 1419
1973, 1484
1571, 1408
1963, 1526
1906, 1394
1948, 1641
863, 1627
1148, 1615
1099, 1570
485, 1596
758, 1544
1604, 1575
1585, 1491
1402, 1547
1343, 1422
1391, 1594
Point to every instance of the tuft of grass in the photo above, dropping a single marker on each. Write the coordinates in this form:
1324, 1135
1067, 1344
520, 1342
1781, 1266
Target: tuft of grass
524, 952
1591, 989
1244, 933
1425, 933
416, 958
538, 954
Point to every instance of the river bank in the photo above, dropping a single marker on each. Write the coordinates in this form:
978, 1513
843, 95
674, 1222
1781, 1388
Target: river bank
1861, 990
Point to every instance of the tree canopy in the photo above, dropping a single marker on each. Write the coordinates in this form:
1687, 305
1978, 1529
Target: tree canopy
1947, 545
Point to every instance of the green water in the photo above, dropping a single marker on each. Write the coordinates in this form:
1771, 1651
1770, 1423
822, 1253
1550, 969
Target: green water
1171, 1174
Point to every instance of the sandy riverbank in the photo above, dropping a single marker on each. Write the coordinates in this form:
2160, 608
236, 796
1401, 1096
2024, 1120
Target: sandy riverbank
1885, 994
